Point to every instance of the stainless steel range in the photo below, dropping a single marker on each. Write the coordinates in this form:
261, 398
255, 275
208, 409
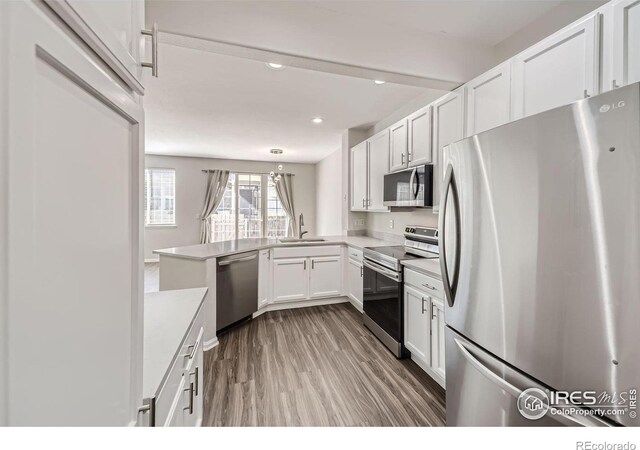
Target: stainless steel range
383, 293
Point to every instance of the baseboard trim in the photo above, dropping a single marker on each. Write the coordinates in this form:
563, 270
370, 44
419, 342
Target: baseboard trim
300, 304
208, 345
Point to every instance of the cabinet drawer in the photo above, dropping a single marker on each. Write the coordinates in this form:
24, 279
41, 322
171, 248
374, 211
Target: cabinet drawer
355, 254
424, 283
181, 364
303, 252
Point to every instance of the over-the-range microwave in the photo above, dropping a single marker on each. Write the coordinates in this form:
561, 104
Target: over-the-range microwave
410, 187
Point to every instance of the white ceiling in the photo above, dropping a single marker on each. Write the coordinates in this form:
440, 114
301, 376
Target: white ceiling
211, 105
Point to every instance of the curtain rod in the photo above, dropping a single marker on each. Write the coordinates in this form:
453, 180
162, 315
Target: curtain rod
250, 173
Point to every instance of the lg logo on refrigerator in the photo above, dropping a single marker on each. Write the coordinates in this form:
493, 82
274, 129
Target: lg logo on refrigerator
607, 107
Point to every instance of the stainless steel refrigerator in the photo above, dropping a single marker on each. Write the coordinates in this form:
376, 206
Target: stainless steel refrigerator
540, 236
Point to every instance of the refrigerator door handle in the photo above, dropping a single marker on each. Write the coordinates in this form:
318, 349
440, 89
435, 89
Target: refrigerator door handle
569, 420
450, 284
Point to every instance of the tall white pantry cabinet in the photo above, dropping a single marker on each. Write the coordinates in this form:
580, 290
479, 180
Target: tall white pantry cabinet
71, 174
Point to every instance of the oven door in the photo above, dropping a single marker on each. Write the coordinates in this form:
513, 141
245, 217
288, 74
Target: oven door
382, 295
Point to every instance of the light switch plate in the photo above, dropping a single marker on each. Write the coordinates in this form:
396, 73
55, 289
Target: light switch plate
391, 223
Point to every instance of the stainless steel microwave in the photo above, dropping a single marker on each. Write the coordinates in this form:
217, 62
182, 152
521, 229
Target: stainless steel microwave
410, 187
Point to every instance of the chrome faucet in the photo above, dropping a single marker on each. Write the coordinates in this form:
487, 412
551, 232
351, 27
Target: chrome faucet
301, 223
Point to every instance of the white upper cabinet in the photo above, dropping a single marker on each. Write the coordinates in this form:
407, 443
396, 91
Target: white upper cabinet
359, 172
378, 168
558, 70
626, 42
112, 29
75, 153
489, 99
448, 127
419, 137
398, 146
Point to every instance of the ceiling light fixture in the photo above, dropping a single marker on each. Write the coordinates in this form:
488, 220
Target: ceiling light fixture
276, 151
379, 81
275, 66
317, 120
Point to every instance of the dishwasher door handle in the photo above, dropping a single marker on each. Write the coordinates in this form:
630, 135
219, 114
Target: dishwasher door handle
227, 262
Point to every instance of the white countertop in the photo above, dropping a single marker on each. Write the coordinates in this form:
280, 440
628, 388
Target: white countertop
224, 248
427, 266
168, 315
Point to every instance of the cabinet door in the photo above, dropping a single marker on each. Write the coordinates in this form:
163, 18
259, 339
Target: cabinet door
325, 277
74, 150
112, 29
176, 416
558, 70
192, 417
437, 337
355, 282
290, 279
448, 127
398, 146
626, 42
419, 139
378, 168
417, 323
489, 100
359, 173
264, 278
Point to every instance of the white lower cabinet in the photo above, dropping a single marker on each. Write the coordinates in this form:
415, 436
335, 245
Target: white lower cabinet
290, 279
325, 277
355, 277
264, 278
424, 324
417, 323
437, 337
303, 273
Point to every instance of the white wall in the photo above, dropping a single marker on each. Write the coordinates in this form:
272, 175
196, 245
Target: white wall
329, 195
190, 190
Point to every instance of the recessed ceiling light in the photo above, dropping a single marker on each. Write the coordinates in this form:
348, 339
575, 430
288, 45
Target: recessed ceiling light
275, 66
379, 81
276, 151
317, 120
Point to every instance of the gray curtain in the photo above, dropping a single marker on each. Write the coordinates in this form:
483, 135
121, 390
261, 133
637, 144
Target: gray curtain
216, 184
284, 188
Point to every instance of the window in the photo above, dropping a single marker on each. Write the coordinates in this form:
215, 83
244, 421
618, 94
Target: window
241, 213
159, 197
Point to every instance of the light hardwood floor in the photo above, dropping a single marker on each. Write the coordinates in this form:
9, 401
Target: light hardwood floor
314, 366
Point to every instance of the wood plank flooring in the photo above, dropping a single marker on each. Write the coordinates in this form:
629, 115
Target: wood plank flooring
314, 366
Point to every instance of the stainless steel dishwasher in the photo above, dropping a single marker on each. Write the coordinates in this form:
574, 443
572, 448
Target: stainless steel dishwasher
236, 288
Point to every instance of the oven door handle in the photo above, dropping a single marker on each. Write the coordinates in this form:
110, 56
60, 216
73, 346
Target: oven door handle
395, 276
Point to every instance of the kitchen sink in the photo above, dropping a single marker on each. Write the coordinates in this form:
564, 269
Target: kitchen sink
287, 239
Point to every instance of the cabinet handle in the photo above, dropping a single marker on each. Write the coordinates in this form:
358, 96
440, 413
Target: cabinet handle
433, 316
190, 390
409, 158
402, 159
422, 305
614, 85
361, 272
305, 264
153, 65
368, 202
197, 376
586, 94
363, 200
428, 286
313, 264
